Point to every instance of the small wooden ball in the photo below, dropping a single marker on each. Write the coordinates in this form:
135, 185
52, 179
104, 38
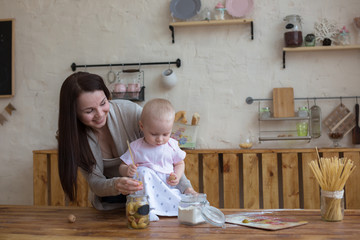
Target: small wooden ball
71, 218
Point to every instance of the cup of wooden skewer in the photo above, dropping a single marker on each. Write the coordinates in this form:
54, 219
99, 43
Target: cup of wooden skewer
332, 174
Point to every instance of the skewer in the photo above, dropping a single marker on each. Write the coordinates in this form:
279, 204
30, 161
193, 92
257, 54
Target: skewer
317, 152
132, 158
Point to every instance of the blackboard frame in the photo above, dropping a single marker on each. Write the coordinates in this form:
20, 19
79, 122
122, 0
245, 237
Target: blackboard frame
7, 59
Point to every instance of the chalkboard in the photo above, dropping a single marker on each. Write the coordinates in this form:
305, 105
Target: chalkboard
6, 58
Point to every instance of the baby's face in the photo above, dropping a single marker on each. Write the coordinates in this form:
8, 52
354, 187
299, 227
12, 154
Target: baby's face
157, 132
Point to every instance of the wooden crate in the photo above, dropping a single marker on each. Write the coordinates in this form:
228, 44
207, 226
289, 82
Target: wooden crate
265, 178
231, 178
47, 186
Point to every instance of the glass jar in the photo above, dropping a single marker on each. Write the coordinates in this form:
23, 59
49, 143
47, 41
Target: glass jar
310, 40
293, 31
137, 211
190, 209
303, 112
220, 11
265, 112
344, 36
302, 128
332, 205
195, 209
246, 141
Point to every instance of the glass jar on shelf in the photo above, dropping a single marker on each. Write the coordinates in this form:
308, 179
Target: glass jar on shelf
265, 113
303, 112
310, 40
302, 128
220, 11
344, 36
293, 31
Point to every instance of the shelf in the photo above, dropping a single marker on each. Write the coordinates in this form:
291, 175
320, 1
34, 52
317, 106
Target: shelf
281, 134
211, 23
283, 118
318, 48
308, 138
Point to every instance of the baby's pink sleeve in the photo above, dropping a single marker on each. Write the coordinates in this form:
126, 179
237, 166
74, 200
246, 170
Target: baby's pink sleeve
178, 154
126, 158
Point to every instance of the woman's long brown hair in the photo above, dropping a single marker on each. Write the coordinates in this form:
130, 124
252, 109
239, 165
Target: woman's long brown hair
73, 146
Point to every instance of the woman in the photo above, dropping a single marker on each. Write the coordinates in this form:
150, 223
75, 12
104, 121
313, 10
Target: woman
93, 134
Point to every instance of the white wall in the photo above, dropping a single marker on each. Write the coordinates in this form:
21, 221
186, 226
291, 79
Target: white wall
221, 66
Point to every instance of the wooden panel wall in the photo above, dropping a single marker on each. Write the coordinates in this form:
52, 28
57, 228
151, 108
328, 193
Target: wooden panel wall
231, 178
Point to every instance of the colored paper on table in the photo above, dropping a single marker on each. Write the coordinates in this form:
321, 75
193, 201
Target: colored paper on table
263, 221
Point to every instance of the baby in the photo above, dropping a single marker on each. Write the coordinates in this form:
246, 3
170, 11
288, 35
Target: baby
159, 162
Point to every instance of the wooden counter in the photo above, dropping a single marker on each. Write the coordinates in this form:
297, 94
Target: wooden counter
44, 222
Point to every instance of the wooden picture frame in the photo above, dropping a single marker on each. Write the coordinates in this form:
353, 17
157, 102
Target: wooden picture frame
7, 78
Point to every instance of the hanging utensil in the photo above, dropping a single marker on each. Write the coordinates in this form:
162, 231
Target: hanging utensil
356, 129
341, 120
111, 76
315, 121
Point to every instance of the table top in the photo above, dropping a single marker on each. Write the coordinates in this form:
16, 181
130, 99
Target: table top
43, 222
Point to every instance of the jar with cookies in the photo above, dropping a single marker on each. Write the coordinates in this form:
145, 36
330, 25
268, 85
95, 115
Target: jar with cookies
137, 211
246, 141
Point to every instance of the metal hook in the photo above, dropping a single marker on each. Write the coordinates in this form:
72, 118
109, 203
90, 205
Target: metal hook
356, 99
85, 68
341, 100
111, 76
315, 101
169, 65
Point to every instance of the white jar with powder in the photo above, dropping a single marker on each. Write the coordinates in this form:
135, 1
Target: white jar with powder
195, 209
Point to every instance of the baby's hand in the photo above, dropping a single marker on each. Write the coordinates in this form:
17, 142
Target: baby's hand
173, 179
131, 170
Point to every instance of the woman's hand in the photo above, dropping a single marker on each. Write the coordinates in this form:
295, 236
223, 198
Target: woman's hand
131, 171
125, 185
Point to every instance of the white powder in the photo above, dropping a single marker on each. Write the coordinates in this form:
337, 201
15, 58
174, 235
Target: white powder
190, 215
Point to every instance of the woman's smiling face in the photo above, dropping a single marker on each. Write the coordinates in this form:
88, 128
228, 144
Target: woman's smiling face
93, 108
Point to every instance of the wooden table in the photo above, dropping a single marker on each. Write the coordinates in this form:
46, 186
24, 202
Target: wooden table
35, 222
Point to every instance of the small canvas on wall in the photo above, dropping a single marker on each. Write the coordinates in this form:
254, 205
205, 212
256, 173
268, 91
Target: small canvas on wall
7, 83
